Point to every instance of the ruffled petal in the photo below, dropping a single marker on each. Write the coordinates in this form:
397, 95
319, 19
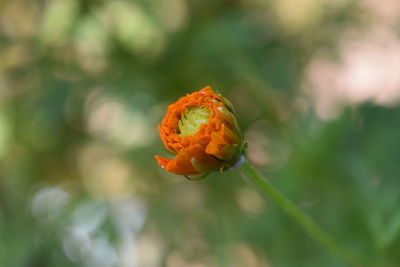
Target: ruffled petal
181, 164
224, 144
202, 161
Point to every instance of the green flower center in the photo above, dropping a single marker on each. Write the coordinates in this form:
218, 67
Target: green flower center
192, 119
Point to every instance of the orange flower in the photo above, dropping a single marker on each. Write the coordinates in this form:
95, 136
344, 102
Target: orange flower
201, 129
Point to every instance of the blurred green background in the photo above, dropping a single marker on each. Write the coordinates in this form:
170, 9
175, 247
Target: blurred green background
83, 85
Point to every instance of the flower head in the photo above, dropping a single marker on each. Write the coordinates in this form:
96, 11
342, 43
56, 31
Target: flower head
201, 129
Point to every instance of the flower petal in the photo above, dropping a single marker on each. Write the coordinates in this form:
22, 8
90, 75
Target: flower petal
181, 164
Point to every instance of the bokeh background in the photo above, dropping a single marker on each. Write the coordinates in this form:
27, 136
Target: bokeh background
83, 85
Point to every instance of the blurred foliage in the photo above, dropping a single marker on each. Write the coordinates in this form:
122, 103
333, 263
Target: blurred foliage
83, 85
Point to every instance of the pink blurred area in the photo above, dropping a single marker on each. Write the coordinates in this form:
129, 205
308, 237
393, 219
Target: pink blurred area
365, 69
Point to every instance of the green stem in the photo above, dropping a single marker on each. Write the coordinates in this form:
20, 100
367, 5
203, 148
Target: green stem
299, 216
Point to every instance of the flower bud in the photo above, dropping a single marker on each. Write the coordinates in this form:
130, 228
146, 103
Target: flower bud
202, 130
